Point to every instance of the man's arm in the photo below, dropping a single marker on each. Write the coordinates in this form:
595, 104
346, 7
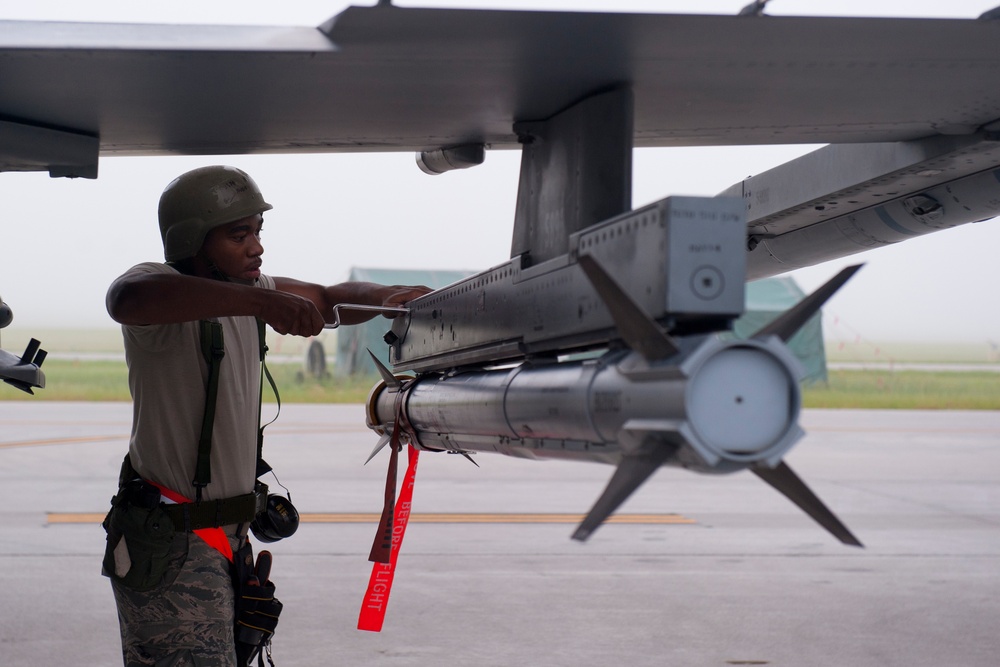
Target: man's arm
163, 298
366, 294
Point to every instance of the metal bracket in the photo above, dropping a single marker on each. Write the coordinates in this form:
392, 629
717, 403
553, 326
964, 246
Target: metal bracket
576, 171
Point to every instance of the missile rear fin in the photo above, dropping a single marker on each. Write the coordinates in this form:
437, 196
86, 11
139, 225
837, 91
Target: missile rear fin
639, 331
633, 470
785, 481
788, 323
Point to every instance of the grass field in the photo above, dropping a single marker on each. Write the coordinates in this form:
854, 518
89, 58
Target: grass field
107, 381
907, 390
67, 380
70, 380
109, 340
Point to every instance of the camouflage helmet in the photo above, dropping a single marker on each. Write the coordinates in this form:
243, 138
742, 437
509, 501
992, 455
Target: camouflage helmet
197, 201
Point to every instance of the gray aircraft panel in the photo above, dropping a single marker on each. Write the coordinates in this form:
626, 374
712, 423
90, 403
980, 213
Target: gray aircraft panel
413, 79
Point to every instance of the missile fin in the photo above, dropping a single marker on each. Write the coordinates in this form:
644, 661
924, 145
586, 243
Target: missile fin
788, 323
782, 478
382, 442
633, 470
640, 332
387, 376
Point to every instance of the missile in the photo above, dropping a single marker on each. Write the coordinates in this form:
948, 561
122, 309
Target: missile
705, 402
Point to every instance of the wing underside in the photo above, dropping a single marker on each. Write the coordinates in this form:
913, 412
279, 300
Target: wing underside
387, 78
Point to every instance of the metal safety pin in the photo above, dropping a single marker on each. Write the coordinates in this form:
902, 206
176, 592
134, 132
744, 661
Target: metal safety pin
382, 310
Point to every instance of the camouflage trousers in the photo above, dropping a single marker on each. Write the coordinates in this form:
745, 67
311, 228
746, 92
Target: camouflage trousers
186, 621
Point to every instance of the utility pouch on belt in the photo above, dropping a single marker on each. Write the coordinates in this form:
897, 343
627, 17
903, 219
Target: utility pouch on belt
257, 609
139, 537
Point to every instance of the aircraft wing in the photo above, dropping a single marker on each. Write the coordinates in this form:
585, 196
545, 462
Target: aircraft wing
390, 79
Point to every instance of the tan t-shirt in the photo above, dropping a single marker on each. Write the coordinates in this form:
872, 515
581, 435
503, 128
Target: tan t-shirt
167, 376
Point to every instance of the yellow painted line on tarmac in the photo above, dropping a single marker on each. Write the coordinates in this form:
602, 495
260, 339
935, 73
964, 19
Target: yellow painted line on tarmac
446, 517
72, 440
76, 439
75, 517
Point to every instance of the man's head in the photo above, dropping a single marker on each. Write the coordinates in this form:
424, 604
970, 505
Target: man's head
230, 252
200, 200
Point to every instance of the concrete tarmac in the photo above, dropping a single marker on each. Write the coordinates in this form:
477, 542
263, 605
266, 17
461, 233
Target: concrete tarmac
748, 580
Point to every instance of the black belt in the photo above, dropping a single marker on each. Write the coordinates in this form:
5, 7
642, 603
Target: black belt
222, 512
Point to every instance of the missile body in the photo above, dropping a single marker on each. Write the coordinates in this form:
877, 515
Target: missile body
716, 406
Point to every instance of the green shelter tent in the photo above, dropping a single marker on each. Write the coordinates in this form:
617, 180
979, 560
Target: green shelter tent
767, 299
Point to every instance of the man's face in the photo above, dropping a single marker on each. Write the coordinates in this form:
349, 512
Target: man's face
235, 248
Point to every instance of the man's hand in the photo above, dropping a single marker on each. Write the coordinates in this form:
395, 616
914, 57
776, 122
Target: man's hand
289, 313
353, 292
400, 295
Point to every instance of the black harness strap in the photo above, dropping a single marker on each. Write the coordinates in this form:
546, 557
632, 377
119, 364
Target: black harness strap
264, 609
213, 350
262, 467
212, 347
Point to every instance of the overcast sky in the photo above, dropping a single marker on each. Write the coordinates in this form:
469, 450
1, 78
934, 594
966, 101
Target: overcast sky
63, 241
